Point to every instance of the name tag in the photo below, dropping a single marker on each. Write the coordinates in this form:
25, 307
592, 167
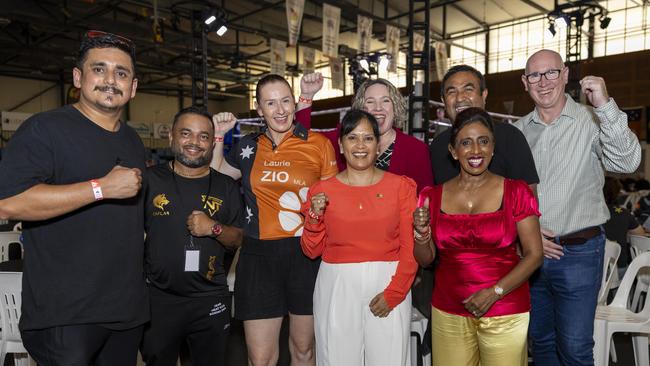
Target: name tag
192, 260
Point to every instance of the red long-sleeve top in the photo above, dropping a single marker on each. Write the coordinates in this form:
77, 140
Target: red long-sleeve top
365, 224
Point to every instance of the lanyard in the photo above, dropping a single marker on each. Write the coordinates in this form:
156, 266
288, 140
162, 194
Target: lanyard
183, 206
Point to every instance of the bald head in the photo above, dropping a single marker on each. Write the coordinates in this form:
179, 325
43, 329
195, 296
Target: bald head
544, 80
547, 56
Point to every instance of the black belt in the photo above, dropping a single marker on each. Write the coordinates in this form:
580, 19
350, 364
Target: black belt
579, 237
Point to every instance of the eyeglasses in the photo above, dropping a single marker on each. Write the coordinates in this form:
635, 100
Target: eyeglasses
100, 34
536, 77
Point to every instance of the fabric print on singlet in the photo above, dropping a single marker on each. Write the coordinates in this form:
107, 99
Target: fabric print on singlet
289, 214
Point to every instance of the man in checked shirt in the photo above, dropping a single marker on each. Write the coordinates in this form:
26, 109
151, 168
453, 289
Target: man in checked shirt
571, 144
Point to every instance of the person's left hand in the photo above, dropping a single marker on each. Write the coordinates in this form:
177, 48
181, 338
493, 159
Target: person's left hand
595, 90
481, 301
310, 84
379, 307
199, 224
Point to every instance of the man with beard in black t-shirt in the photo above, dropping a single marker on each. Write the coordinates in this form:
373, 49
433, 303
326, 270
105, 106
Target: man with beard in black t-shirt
193, 214
73, 176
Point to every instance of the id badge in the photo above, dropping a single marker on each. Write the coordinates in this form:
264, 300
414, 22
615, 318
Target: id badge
192, 260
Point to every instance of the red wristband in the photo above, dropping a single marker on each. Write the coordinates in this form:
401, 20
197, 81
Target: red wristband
97, 190
304, 100
313, 215
218, 138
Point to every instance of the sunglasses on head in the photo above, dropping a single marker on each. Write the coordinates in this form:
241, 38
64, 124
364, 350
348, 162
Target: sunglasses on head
99, 34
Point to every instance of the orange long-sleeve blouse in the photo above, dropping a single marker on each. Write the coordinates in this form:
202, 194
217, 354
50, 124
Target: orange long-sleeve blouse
364, 224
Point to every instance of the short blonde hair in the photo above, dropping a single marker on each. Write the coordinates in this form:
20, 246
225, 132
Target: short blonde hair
399, 102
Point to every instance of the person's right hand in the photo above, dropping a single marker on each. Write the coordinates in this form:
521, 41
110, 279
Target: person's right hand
421, 219
121, 182
552, 250
223, 122
318, 203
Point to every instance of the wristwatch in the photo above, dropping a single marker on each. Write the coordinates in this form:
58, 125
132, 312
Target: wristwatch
498, 290
217, 229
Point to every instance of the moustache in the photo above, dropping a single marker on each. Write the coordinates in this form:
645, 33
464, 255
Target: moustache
109, 89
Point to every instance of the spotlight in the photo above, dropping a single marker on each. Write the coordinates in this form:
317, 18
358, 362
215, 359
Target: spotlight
560, 22
222, 30
550, 32
215, 20
384, 61
364, 64
604, 22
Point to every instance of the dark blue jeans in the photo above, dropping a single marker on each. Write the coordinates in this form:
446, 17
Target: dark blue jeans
564, 293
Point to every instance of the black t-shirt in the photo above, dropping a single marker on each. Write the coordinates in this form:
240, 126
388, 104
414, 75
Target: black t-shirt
167, 234
84, 267
616, 228
512, 157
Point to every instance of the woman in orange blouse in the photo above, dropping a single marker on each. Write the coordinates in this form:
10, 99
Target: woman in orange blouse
360, 223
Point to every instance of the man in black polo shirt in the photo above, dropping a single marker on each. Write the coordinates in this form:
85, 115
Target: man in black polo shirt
73, 176
462, 87
193, 213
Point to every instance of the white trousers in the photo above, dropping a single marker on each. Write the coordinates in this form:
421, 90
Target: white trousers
347, 333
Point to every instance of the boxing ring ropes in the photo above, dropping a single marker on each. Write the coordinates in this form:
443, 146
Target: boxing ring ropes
257, 121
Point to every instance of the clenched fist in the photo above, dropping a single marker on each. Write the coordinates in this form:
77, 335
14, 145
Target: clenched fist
121, 182
223, 122
318, 203
310, 84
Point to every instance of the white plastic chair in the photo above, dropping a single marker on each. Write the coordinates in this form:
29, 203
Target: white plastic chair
230, 279
610, 273
10, 301
638, 245
6, 238
418, 327
617, 318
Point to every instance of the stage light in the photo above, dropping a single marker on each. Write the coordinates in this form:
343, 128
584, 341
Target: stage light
604, 22
550, 32
222, 30
364, 64
560, 22
384, 61
215, 20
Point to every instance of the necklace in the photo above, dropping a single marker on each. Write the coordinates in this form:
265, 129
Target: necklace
185, 175
372, 178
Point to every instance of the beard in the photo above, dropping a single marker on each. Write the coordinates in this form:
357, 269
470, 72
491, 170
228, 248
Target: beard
199, 162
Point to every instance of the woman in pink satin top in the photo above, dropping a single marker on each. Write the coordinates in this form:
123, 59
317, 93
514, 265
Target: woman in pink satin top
473, 224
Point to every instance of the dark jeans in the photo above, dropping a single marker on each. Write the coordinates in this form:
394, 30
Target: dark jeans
83, 345
564, 293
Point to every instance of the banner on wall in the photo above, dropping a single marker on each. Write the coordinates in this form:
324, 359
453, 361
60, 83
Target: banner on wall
336, 70
161, 130
295, 9
278, 57
331, 22
392, 46
308, 60
418, 42
441, 59
141, 128
364, 33
12, 120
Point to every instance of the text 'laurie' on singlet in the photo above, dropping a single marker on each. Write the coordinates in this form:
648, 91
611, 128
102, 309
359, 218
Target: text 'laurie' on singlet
276, 179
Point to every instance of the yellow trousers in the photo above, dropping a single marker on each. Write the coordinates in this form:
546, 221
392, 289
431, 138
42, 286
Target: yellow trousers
468, 341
